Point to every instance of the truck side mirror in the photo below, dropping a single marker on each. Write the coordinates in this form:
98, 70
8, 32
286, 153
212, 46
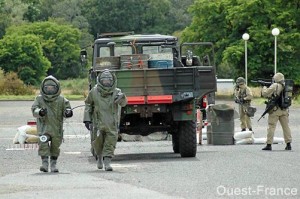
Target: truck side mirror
83, 57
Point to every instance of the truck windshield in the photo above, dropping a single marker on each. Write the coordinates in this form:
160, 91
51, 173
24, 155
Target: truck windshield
104, 51
123, 50
156, 50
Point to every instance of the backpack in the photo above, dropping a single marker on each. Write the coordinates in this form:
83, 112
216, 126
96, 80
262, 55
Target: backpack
285, 98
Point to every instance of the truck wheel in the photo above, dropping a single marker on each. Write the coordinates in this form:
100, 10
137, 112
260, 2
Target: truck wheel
175, 142
188, 139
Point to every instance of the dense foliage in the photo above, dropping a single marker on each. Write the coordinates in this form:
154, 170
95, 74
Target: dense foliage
38, 49
49, 46
24, 55
41, 37
225, 21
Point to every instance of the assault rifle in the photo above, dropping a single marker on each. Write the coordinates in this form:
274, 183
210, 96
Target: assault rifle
239, 101
270, 104
262, 82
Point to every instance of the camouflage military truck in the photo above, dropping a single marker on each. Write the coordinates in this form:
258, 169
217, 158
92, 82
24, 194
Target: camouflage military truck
164, 82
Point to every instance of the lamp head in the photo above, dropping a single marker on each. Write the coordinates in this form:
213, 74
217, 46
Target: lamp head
246, 36
275, 31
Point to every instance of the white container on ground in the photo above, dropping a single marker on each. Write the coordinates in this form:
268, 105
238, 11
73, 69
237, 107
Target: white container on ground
243, 135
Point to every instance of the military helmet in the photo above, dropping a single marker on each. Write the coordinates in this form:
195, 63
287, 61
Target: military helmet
240, 81
106, 78
50, 87
278, 78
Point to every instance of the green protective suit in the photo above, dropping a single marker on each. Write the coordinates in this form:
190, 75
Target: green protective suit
104, 111
52, 123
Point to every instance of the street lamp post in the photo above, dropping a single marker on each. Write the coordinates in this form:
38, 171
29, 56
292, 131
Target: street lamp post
275, 33
246, 38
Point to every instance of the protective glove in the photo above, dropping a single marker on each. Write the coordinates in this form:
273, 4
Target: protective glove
43, 112
68, 112
119, 97
88, 125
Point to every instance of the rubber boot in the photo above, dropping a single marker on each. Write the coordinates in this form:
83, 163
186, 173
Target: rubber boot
268, 147
53, 161
45, 164
100, 162
107, 166
288, 146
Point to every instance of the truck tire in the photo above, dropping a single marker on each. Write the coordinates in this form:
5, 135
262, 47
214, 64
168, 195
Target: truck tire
175, 142
188, 139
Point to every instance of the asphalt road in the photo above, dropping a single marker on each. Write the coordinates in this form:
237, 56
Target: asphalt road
148, 169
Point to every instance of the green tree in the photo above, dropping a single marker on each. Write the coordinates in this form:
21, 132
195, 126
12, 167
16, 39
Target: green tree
178, 16
62, 12
44, 8
70, 12
225, 21
59, 43
24, 54
32, 14
141, 16
11, 12
4, 19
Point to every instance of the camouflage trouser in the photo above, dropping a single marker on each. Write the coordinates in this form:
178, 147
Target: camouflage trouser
105, 143
282, 116
244, 118
50, 148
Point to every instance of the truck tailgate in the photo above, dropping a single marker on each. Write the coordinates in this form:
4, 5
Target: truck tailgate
195, 81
